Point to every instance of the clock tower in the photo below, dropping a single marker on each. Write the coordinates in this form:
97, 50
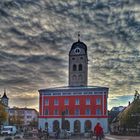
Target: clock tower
78, 64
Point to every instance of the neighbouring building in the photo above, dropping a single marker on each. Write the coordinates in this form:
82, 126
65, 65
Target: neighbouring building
4, 101
22, 117
114, 112
127, 122
76, 107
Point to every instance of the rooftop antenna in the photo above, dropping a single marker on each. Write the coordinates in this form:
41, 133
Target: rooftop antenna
79, 11
4, 90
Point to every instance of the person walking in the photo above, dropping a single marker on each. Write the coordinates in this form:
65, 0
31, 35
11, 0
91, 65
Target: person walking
98, 131
57, 133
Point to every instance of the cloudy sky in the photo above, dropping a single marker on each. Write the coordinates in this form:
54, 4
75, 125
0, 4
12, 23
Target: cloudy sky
36, 36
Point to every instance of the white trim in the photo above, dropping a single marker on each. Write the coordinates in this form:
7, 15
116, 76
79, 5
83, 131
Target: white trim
103, 104
42, 104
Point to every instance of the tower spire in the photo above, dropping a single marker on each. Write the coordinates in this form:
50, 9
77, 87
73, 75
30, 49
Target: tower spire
4, 91
79, 36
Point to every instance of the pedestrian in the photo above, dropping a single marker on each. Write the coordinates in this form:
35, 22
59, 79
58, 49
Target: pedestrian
46, 132
98, 131
57, 133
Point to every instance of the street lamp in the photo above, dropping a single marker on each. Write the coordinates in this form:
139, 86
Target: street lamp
63, 120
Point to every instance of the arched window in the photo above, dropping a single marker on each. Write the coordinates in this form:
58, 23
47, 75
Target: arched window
67, 125
88, 125
74, 67
77, 126
55, 125
80, 67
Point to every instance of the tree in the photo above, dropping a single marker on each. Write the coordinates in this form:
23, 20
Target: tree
3, 114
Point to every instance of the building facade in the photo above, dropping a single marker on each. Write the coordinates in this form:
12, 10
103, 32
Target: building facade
77, 107
22, 116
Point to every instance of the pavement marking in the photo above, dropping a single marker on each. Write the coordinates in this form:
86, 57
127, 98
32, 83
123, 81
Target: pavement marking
109, 138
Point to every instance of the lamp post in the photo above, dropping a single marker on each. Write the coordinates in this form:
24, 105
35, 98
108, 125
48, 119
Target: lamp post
63, 120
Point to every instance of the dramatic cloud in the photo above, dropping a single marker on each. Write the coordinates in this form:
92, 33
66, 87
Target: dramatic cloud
36, 36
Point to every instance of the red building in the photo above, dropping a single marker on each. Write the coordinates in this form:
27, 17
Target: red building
77, 107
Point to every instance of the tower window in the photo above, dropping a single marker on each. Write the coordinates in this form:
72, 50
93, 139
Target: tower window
74, 67
80, 67
73, 58
74, 77
77, 50
80, 77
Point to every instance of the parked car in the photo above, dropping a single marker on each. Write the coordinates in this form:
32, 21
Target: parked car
9, 130
8, 138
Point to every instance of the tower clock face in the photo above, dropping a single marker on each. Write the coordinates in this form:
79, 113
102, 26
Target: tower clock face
77, 50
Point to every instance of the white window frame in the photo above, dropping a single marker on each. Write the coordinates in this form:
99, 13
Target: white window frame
88, 111
47, 111
77, 101
47, 102
87, 101
98, 101
56, 112
98, 111
66, 112
56, 102
77, 112
66, 101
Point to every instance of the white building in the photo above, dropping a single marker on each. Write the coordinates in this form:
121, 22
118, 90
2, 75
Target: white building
24, 115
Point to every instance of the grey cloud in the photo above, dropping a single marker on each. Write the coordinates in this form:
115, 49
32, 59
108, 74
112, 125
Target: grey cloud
36, 36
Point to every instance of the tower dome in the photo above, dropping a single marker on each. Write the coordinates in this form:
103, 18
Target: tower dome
80, 45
